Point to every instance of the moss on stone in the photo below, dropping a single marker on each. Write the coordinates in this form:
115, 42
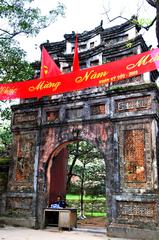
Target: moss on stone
118, 88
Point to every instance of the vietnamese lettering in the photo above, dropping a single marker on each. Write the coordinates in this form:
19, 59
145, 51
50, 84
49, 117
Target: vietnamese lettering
45, 85
118, 77
90, 76
134, 104
133, 73
136, 210
146, 59
113, 79
8, 90
121, 76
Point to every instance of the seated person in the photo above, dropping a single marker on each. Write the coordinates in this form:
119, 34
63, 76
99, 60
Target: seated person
59, 203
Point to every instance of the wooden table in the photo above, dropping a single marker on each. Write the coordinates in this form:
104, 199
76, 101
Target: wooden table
60, 217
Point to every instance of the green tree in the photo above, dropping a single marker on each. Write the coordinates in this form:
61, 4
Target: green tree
73, 156
19, 17
86, 163
5, 138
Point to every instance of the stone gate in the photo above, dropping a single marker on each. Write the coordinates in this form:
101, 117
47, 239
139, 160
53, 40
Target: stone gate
121, 123
120, 120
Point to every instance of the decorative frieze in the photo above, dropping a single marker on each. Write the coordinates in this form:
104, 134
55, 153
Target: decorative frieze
25, 118
52, 116
98, 109
135, 156
134, 144
72, 114
21, 176
133, 104
136, 211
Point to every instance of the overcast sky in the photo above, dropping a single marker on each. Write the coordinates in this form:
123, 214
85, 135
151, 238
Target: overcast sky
84, 15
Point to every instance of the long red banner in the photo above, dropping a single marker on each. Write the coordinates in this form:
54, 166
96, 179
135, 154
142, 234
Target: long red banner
91, 77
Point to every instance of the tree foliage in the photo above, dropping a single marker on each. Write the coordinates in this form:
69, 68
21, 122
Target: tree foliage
18, 17
5, 138
87, 166
13, 66
84, 157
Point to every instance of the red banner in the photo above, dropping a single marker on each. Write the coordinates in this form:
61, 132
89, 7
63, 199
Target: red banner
78, 80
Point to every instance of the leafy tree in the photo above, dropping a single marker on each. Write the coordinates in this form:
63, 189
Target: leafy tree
5, 131
73, 156
5, 138
19, 17
86, 163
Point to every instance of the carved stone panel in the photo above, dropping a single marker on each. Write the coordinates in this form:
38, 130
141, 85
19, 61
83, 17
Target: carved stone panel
98, 109
25, 118
136, 211
135, 156
133, 104
23, 167
134, 144
72, 114
24, 157
52, 116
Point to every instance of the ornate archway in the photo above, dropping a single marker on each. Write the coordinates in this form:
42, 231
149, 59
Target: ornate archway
99, 134
121, 123
80, 159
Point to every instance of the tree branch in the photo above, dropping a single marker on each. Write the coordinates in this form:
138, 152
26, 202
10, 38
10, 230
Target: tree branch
152, 3
111, 20
72, 166
133, 21
11, 35
150, 25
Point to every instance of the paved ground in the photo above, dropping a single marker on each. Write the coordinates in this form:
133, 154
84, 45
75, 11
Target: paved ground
19, 233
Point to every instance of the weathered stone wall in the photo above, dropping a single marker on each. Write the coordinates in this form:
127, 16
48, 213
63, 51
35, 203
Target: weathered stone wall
122, 124
21, 176
20, 196
137, 130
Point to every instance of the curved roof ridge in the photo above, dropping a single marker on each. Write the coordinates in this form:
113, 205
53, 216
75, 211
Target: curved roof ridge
84, 36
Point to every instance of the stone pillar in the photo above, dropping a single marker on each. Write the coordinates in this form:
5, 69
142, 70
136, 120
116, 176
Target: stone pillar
136, 201
21, 190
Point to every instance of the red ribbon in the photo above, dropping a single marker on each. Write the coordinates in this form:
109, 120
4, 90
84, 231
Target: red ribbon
77, 80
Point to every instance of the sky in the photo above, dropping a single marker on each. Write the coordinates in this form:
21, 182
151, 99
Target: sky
85, 15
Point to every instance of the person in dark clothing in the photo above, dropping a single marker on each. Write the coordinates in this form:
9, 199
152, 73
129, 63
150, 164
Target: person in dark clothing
60, 202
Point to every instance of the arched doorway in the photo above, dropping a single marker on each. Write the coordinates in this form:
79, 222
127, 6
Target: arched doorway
121, 123
77, 172
100, 134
